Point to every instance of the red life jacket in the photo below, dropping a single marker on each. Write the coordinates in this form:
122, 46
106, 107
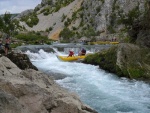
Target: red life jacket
71, 53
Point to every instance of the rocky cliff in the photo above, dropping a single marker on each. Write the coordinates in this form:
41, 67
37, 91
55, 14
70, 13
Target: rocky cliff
30, 91
140, 29
129, 60
103, 18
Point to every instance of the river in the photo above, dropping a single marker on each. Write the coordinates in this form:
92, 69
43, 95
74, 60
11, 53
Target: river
103, 91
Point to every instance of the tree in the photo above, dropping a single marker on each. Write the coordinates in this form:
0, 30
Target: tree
66, 33
1, 23
8, 25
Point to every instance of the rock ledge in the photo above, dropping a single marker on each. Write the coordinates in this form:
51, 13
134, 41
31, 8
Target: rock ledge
31, 91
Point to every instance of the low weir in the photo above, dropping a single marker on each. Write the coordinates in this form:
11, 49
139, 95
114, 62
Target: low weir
62, 47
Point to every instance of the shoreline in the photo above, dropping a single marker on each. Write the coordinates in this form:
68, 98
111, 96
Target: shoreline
34, 91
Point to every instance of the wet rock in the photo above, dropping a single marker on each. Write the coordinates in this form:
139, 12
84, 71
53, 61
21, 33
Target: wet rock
55, 75
21, 60
2, 51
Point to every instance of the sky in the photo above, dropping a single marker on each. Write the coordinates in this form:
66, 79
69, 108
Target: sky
17, 6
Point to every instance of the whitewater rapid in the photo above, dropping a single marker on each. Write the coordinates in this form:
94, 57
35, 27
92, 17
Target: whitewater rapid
104, 92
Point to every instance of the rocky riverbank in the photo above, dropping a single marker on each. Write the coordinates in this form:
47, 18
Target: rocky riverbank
26, 90
125, 60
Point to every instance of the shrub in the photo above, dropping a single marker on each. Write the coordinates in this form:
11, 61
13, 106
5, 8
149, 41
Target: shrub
63, 17
98, 9
50, 29
31, 37
129, 18
66, 33
30, 20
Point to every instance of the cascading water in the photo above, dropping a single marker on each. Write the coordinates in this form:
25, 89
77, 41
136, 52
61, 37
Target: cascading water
103, 91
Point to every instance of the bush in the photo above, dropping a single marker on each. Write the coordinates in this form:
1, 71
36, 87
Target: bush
66, 34
30, 20
31, 37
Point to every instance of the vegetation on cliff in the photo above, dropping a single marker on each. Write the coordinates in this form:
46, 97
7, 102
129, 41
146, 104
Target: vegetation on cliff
98, 19
128, 60
125, 60
140, 31
94, 21
31, 19
52, 6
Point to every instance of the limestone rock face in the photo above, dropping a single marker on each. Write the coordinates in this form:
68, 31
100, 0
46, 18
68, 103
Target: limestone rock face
31, 91
124, 53
24, 13
108, 18
134, 61
143, 38
140, 32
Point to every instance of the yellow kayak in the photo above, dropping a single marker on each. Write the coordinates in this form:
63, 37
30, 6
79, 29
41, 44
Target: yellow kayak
70, 59
103, 42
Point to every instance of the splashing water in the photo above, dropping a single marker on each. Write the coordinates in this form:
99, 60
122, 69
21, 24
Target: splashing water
103, 91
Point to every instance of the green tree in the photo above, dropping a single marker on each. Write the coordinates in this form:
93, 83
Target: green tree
90, 32
8, 26
66, 33
1, 23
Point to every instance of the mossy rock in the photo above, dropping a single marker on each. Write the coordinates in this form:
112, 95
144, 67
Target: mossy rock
134, 61
105, 59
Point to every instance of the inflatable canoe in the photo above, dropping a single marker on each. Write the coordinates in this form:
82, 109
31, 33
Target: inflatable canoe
70, 59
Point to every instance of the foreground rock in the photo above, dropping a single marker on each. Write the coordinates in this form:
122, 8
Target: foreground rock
30, 91
21, 60
125, 60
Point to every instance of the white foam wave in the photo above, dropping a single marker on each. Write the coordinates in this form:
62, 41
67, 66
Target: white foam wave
103, 91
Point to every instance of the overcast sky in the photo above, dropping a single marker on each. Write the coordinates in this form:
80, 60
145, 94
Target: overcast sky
17, 6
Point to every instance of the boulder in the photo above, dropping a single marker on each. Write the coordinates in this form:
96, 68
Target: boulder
134, 61
31, 91
21, 60
125, 60
9, 104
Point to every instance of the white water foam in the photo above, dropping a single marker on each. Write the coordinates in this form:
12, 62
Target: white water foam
101, 90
